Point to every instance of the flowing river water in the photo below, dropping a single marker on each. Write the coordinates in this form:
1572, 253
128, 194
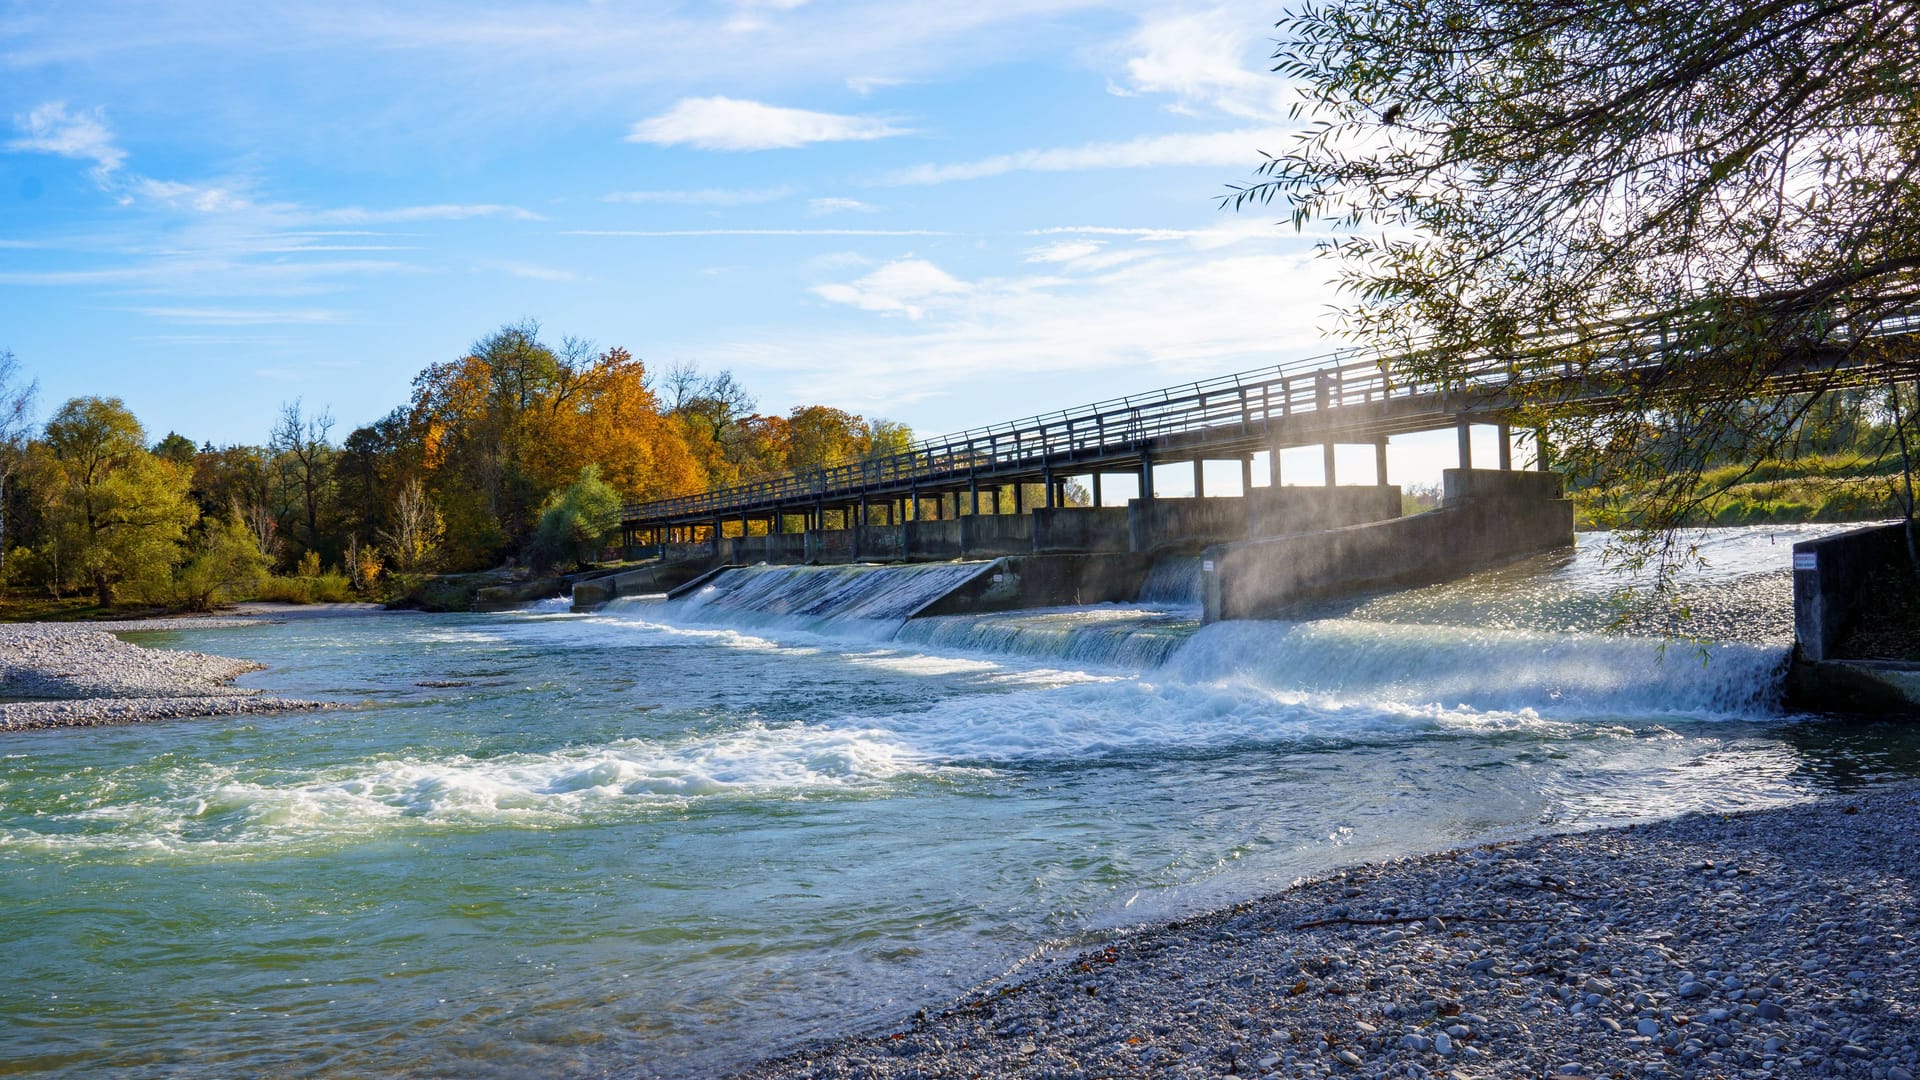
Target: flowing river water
668, 838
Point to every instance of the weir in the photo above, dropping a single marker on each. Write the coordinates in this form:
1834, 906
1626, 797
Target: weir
1527, 638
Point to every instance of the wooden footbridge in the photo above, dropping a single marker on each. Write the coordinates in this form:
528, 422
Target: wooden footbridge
1341, 398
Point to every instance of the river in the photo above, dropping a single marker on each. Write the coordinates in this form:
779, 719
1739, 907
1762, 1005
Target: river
668, 838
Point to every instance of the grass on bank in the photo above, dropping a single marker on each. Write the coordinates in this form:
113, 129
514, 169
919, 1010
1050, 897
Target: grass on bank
1817, 489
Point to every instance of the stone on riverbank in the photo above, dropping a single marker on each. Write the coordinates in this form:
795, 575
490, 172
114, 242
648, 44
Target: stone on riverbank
1798, 930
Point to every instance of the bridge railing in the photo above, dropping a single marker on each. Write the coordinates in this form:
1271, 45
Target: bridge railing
1249, 400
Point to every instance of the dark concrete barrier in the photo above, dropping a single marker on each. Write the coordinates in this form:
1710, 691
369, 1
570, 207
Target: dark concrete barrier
662, 578
933, 539
1184, 525
1829, 577
1278, 511
1079, 529
883, 543
830, 546
1031, 581
996, 534
771, 548
1494, 524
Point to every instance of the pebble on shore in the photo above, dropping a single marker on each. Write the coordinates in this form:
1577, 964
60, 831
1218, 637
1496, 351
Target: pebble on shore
79, 676
1776, 943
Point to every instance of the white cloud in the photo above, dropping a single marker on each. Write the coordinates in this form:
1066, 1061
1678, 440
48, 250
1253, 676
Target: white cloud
206, 199
51, 129
1202, 59
823, 207
867, 84
702, 196
239, 316
659, 233
530, 271
1065, 251
903, 287
354, 215
1218, 148
1168, 313
722, 123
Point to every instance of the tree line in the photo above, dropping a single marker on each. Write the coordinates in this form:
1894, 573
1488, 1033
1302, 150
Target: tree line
519, 451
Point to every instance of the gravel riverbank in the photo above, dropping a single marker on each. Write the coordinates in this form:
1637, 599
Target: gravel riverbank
81, 676
1777, 943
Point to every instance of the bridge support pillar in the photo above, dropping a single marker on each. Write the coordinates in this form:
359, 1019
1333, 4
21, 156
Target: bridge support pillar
1199, 478
973, 486
1096, 491
1326, 463
1465, 431
1380, 462
1146, 474
1246, 475
1046, 480
1506, 447
1540, 455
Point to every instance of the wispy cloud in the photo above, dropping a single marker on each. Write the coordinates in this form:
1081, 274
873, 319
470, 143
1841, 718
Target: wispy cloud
1218, 148
723, 123
1206, 60
239, 316
753, 232
823, 207
530, 271
903, 287
703, 196
354, 215
52, 129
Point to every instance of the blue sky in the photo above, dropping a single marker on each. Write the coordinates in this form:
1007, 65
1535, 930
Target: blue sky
947, 214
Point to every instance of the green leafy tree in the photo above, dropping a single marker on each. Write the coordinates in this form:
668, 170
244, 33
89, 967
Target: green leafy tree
225, 564
575, 521
1717, 193
117, 513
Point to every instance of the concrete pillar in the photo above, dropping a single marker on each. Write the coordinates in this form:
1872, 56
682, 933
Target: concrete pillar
1019, 498
916, 504
716, 536
1273, 465
1506, 447
1146, 475
1096, 491
1246, 474
1465, 429
1199, 478
1326, 463
1540, 450
1046, 479
973, 486
1380, 462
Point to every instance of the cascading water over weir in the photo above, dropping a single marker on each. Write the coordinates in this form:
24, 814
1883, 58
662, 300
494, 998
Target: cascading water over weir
1421, 648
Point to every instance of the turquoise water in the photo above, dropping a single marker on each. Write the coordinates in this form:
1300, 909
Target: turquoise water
669, 838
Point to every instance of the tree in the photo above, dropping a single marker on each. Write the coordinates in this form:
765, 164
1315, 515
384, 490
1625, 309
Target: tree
16, 421
118, 513
303, 460
820, 437
575, 521
1715, 190
225, 563
413, 544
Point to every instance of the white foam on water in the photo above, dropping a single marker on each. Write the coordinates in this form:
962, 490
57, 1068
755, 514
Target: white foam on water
1562, 674
209, 805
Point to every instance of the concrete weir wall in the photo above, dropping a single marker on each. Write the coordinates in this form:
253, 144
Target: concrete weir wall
1831, 578
1487, 517
1079, 530
1030, 581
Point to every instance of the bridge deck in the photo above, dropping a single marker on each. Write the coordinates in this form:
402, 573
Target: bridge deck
1346, 397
